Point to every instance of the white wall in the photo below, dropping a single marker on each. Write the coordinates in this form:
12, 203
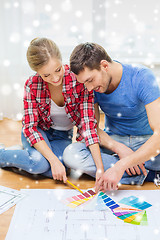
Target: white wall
128, 29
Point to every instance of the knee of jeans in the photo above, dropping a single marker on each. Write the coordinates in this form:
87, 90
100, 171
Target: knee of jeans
72, 157
38, 164
68, 152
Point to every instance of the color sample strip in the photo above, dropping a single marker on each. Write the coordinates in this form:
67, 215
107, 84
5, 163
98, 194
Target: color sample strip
79, 199
135, 202
91, 192
75, 198
127, 200
103, 201
74, 204
131, 218
100, 205
86, 194
124, 214
69, 199
124, 208
109, 202
77, 203
114, 207
80, 196
136, 219
127, 216
144, 221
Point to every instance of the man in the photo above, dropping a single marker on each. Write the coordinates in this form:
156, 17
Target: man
130, 99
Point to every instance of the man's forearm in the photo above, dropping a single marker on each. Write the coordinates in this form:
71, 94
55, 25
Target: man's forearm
107, 142
147, 151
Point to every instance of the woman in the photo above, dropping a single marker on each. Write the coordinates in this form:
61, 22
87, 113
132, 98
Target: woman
46, 129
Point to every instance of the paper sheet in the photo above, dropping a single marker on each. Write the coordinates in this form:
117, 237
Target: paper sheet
42, 215
8, 198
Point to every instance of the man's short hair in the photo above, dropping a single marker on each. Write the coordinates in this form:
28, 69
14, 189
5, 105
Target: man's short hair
87, 55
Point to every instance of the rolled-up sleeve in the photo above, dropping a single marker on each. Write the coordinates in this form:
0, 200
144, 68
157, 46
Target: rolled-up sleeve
88, 120
79, 105
30, 117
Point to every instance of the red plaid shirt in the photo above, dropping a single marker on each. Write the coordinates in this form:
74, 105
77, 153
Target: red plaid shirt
79, 106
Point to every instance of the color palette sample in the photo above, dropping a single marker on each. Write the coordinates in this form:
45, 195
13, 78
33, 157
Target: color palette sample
130, 210
77, 200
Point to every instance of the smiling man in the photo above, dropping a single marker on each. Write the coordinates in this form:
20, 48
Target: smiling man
129, 96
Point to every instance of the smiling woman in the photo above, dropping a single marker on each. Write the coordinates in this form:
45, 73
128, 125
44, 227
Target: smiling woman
52, 72
52, 101
46, 129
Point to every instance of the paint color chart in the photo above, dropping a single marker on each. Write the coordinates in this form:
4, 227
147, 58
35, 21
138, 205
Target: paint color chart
130, 210
42, 215
79, 199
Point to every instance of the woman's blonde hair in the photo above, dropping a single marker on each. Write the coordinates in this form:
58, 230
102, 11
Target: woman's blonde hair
40, 51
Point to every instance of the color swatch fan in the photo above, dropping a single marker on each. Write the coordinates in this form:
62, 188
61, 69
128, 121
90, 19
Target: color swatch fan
130, 210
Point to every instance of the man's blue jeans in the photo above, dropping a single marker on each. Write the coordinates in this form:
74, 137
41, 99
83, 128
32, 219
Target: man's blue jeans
83, 160
33, 161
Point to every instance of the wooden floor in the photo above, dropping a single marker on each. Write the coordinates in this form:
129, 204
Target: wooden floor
10, 132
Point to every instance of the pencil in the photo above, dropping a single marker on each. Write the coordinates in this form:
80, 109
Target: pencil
74, 186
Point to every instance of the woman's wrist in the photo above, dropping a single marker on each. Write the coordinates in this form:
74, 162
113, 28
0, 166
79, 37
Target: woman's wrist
100, 169
53, 159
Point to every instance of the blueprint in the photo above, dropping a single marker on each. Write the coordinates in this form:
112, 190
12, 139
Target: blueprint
43, 215
8, 198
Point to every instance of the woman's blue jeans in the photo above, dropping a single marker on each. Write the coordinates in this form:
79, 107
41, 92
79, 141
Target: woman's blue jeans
83, 160
33, 161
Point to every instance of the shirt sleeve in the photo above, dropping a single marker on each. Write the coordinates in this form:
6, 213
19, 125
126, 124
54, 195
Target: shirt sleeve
88, 120
147, 86
79, 105
30, 118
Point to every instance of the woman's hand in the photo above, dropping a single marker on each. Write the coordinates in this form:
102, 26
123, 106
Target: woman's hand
58, 170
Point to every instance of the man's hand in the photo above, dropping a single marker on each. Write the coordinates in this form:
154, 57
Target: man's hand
110, 179
136, 170
99, 174
126, 151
